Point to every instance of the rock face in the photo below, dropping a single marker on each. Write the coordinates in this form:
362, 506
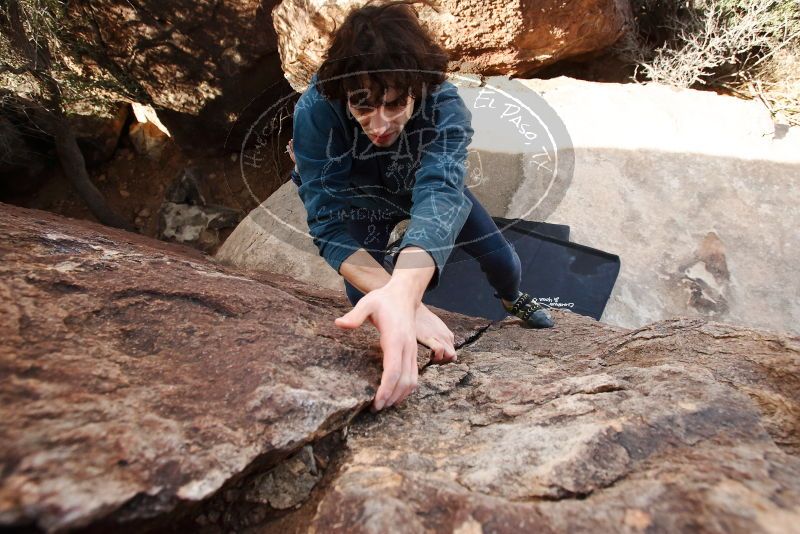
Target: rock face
186, 216
696, 195
139, 377
512, 38
678, 426
98, 129
211, 68
274, 237
147, 135
142, 380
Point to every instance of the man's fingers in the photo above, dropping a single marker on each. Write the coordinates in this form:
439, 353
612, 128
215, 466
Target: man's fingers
450, 353
435, 346
438, 351
402, 383
389, 381
290, 149
442, 351
407, 380
414, 369
412, 372
392, 370
355, 317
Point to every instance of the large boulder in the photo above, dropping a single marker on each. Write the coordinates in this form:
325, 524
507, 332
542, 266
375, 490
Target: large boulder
694, 191
274, 237
483, 37
683, 425
210, 68
150, 389
139, 377
98, 128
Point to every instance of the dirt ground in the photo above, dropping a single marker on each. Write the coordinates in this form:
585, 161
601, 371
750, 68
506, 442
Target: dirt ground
135, 185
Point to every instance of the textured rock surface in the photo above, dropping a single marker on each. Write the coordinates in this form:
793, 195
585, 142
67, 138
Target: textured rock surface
140, 376
98, 129
496, 37
205, 64
683, 425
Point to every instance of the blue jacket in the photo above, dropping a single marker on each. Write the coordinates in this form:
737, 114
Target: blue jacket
421, 176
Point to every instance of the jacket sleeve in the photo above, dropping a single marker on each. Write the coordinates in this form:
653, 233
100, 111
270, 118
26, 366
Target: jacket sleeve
323, 163
439, 206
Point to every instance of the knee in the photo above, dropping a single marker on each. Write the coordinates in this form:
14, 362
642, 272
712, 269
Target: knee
504, 258
515, 257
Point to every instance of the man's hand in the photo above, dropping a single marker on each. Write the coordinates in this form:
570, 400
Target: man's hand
434, 334
394, 315
290, 150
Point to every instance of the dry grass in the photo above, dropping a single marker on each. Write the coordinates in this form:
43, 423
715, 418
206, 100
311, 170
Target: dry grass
777, 85
748, 47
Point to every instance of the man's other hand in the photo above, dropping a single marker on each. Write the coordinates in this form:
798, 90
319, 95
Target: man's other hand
394, 315
434, 334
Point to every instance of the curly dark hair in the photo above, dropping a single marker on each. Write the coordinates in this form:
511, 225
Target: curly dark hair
381, 45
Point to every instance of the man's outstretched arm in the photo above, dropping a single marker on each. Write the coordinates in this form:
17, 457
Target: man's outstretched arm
392, 309
362, 271
365, 274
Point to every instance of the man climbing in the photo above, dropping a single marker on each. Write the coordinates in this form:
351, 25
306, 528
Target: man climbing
381, 136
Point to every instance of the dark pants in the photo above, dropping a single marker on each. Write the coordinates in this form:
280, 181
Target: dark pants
495, 254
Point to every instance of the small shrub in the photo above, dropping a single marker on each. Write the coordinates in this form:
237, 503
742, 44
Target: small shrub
745, 46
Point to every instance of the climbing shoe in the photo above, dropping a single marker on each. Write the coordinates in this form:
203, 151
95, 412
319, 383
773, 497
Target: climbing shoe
531, 312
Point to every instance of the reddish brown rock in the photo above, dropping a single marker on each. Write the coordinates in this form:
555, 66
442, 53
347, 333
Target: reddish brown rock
488, 38
683, 425
98, 129
139, 377
211, 68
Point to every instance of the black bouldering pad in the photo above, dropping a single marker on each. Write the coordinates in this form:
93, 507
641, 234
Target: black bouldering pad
555, 271
558, 231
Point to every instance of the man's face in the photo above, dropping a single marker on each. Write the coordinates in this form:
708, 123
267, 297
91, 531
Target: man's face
383, 123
